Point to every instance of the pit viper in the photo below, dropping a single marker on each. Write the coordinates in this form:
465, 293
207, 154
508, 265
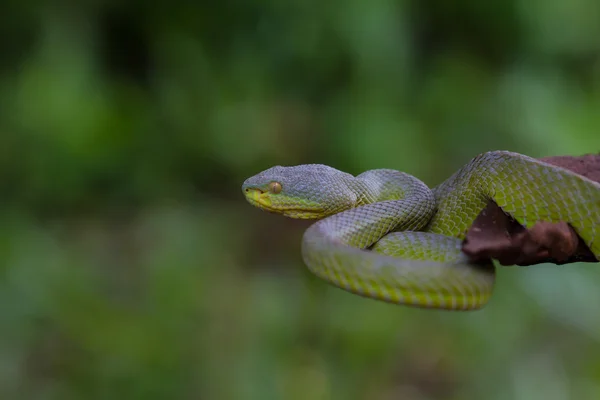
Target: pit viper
385, 235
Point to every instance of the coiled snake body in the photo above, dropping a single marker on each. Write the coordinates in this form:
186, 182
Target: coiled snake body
385, 235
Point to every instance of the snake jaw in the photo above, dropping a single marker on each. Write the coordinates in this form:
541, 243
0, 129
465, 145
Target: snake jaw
264, 201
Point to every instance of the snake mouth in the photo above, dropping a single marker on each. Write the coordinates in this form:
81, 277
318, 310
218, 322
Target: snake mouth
257, 198
262, 200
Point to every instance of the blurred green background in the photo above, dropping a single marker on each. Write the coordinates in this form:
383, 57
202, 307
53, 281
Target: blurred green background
132, 267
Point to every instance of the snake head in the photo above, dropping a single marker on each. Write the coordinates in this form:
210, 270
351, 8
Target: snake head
309, 191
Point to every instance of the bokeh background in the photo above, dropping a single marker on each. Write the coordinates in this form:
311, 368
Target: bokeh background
131, 266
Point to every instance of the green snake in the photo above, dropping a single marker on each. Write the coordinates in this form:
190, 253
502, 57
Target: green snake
386, 235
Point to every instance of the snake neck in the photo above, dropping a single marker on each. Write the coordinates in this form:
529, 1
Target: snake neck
386, 200
386, 184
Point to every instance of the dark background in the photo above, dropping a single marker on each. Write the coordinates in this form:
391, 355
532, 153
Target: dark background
131, 267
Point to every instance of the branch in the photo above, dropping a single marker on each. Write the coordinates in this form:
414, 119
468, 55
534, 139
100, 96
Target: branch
496, 235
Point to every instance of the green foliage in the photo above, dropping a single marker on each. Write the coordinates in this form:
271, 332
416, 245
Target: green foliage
131, 266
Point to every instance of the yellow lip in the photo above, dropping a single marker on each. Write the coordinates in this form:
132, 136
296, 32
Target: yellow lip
263, 201
258, 198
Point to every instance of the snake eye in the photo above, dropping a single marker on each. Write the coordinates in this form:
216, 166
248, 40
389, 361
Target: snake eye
274, 187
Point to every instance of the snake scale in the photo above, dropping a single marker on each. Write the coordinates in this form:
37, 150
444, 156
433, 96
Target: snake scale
386, 235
